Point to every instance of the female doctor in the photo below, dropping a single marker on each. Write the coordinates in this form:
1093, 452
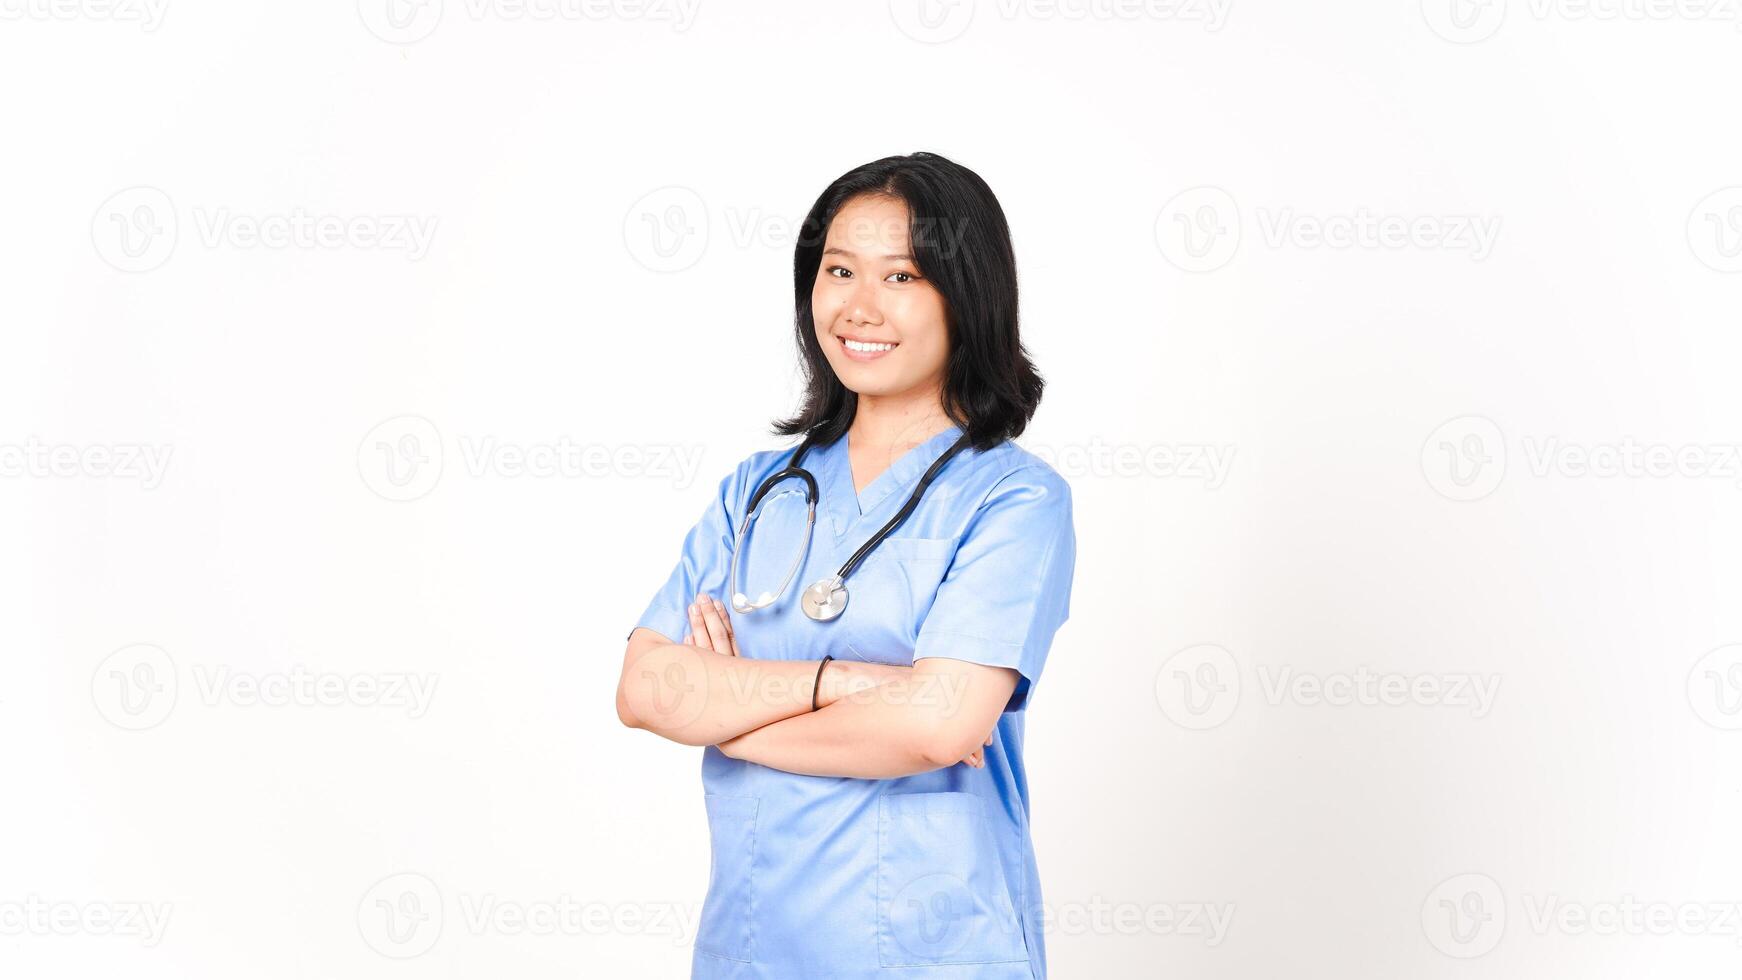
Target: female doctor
862, 629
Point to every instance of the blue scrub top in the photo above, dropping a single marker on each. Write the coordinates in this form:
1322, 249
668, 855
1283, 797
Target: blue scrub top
926, 876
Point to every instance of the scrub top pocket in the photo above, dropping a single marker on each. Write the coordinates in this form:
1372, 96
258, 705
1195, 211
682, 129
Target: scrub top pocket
889, 595
941, 892
730, 908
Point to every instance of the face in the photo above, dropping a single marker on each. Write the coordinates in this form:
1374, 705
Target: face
883, 328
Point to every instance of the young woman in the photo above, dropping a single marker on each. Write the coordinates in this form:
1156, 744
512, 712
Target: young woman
862, 630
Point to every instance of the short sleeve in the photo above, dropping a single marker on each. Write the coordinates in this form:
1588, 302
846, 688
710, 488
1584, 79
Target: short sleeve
701, 568
1009, 588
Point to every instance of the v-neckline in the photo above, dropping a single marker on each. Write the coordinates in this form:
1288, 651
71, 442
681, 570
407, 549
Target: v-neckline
902, 472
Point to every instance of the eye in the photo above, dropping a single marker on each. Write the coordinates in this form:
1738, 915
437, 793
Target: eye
831, 270
905, 277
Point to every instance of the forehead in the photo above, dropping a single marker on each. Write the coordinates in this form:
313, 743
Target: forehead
868, 223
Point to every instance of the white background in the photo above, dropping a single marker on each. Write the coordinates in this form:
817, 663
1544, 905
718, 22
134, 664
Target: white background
1181, 755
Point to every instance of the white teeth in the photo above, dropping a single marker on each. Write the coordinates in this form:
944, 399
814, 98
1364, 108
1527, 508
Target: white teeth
863, 348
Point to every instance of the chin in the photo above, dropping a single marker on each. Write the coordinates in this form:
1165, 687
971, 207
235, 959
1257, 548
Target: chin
856, 379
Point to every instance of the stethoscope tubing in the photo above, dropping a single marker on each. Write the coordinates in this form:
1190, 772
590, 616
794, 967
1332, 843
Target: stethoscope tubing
794, 468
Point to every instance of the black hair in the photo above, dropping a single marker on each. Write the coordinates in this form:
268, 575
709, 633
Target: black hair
961, 243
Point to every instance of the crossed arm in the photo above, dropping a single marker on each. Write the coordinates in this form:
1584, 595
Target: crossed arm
874, 721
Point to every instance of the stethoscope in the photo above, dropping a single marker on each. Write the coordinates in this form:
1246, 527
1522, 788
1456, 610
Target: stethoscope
826, 599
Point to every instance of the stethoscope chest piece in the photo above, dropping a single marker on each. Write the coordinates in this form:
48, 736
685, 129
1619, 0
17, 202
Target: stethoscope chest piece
825, 600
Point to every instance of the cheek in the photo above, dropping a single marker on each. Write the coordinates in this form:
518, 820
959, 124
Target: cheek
933, 339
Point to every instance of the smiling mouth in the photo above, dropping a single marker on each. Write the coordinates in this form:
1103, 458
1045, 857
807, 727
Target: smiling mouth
860, 350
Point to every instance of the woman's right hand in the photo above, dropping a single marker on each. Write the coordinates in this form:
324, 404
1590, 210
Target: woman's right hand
710, 627
977, 758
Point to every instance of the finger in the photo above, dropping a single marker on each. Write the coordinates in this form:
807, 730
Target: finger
717, 638
731, 632
698, 628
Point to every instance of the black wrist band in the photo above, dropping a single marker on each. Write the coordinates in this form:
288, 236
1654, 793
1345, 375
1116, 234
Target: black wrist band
817, 688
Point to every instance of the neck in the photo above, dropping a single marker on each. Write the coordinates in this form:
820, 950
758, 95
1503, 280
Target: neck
896, 421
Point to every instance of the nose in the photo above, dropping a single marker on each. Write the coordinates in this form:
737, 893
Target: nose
859, 306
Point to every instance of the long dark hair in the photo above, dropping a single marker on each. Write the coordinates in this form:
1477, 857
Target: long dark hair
961, 243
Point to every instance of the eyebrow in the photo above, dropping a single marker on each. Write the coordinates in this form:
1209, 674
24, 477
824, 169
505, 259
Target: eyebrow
854, 255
